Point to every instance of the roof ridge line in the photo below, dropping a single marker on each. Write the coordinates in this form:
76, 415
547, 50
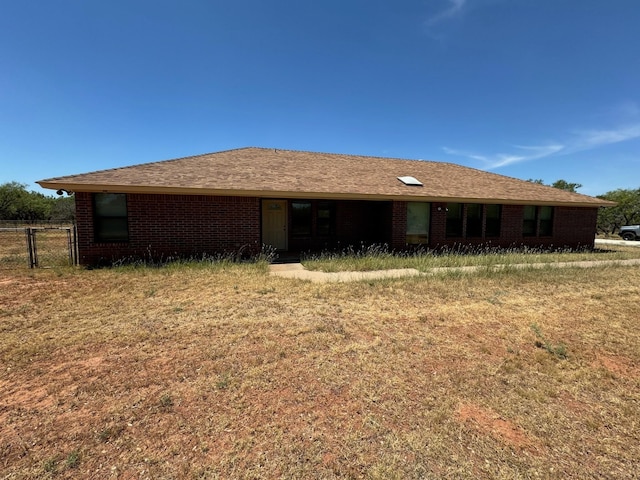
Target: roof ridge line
355, 155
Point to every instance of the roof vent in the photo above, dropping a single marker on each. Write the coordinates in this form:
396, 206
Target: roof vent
410, 181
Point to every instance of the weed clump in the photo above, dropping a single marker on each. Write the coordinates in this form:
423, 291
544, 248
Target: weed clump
73, 459
250, 254
558, 350
366, 257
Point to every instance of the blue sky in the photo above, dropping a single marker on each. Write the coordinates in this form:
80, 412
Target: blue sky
545, 89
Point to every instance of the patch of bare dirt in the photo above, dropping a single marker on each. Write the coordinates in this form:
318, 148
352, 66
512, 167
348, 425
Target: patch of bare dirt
574, 405
618, 365
488, 422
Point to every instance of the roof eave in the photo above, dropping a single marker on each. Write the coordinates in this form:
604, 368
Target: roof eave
142, 189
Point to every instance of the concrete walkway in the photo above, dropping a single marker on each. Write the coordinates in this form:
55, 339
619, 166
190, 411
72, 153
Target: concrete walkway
297, 270
625, 243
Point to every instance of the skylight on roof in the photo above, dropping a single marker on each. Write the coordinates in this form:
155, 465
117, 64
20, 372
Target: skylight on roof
410, 181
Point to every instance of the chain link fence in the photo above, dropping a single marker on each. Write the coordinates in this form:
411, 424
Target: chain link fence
37, 246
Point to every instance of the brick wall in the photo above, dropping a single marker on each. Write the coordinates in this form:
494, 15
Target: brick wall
575, 226
438, 224
511, 227
173, 225
398, 225
572, 227
191, 225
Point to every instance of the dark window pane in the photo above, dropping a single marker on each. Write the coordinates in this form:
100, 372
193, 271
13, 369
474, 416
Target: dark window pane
326, 218
112, 230
546, 221
493, 220
454, 220
301, 218
110, 217
111, 204
418, 222
529, 223
474, 220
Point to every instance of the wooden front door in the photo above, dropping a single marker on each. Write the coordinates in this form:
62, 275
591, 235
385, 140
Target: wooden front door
274, 223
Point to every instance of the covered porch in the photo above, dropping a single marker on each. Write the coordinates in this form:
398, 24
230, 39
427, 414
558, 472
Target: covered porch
312, 225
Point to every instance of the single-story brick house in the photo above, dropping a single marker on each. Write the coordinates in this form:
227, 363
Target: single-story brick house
303, 201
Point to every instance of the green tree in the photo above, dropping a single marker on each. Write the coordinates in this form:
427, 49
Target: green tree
17, 203
564, 185
63, 210
36, 206
560, 184
10, 198
626, 212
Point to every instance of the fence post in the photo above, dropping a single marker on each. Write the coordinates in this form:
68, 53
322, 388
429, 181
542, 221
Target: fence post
31, 247
74, 233
26, 237
34, 244
69, 247
72, 245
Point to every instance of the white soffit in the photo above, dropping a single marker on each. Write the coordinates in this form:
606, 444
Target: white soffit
410, 181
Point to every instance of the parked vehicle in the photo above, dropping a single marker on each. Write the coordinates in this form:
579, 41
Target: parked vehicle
630, 232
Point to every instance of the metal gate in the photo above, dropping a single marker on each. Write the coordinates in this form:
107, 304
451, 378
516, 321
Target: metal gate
45, 247
49, 246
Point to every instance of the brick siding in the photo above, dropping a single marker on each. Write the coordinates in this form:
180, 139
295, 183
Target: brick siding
173, 225
573, 227
162, 226
399, 225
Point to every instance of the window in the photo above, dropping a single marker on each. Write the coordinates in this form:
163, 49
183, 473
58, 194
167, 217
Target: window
474, 220
301, 218
538, 221
418, 222
546, 221
454, 220
110, 217
325, 218
530, 221
492, 228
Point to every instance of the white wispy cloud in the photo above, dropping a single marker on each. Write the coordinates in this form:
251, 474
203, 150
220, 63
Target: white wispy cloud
453, 8
577, 141
588, 139
498, 160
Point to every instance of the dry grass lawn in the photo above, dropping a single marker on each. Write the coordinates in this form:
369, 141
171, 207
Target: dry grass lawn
225, 372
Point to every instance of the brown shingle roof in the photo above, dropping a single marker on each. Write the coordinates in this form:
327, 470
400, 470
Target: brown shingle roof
295, 174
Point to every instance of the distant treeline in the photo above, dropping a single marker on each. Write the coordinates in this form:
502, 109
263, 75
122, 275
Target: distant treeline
19, 204
627, 212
